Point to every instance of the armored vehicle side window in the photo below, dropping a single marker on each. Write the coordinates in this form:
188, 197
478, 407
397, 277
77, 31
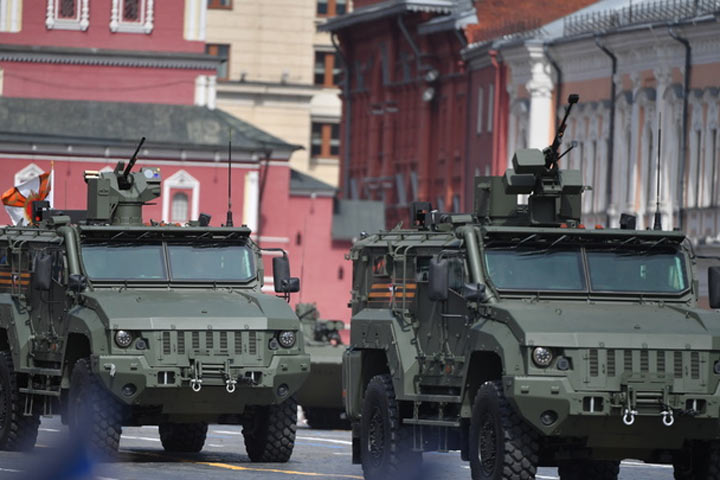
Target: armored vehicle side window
211, 263
637, 272
124, 262
515, 269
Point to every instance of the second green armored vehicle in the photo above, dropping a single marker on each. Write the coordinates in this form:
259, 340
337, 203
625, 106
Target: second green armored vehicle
110, 322
321, 395
523, 339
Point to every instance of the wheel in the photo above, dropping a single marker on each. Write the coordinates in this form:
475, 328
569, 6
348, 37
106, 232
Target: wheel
589, 470
501, 444
270, 432
18, 432
706, 464
95, 415
385, 444
183, 437
326, 418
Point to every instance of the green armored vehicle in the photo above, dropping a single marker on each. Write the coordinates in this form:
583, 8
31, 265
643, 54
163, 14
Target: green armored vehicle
109, 322
522, 339
321, 395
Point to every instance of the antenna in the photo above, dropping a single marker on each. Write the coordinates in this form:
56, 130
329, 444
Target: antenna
229, 220
657, 224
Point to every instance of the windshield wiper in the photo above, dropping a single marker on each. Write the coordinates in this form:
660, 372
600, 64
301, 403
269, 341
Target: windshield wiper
545, 250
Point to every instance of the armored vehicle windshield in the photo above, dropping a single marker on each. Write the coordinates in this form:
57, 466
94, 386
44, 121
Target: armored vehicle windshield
583, 270
189, 262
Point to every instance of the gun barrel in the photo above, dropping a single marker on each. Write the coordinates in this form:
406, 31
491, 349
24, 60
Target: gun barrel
133, 159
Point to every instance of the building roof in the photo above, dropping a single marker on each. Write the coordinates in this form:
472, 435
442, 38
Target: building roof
351, 217
120, 123
303, 184
456, 14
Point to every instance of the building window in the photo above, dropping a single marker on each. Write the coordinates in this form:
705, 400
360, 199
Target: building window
490, 107
341, 273
132, 16
478, 128
298, 239
330, 8
325, 139
226, 4
714, 167
222, 51
68, 15
327, 69
179, 208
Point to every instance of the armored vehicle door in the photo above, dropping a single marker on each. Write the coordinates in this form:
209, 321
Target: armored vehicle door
46, 296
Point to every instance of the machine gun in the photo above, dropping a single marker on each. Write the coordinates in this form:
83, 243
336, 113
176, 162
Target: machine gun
554, 194
117, 197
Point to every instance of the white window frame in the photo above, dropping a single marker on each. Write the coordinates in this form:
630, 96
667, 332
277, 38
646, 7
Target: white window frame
10, 13
144, 24
178, 181
175, 197
54, 22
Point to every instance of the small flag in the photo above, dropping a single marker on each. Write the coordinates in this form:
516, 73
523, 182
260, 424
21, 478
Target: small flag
19, 199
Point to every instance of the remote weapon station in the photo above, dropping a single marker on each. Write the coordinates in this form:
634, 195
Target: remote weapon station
110, 322
523, 339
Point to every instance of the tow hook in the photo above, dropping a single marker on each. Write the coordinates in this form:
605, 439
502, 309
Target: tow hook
230, 385
667, 417
629, 416
196, 384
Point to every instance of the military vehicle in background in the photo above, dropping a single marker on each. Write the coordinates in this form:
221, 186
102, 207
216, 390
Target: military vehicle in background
109, 322
523, 339
321, 395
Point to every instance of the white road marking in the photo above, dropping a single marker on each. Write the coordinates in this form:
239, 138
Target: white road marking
227, 432
644, 465
147, 439
54, 430
11, 470
215, 445
547, 477
326, 440
342, 453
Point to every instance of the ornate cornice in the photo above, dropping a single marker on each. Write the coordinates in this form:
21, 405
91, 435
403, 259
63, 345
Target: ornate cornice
116, 58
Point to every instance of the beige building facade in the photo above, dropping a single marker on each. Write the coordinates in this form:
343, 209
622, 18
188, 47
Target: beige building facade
281, 74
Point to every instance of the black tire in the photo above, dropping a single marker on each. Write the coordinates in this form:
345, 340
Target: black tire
183, 437
501, 444
707, 463
18, 432
326, 418
385, 444
95, 415
270, 432
589, 470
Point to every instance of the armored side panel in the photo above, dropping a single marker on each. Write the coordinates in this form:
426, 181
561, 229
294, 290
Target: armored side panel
492, 201
99, 205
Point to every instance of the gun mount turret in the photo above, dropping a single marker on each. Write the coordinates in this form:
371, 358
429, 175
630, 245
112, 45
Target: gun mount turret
117, 197
554, 195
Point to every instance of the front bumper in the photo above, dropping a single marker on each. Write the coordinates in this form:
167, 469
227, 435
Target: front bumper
636, 408
205, 386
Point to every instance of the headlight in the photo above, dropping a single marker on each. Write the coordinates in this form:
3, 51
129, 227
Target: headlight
542, 356
123, 338
286, 338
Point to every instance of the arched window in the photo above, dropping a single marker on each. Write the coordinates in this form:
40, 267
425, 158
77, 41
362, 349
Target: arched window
179, 208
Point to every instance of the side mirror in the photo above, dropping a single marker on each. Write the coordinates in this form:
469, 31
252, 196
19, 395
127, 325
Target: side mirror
284, 283
439, 277
42, 275
714, 287
77, 283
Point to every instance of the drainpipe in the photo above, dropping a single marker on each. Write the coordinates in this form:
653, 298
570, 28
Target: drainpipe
496, 165
611, 136
683, 137
418, 62
348, 119
469, 176
559, 74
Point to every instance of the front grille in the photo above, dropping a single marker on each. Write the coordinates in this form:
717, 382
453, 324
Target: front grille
593, 363
644, 361
611, 362
695, 365
661, 362
209, 340
678, 364
196, 340
166, 343
181, 343
223, 340
238, 343
628, 361
252, 345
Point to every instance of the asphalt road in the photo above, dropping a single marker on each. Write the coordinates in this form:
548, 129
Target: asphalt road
319, 454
